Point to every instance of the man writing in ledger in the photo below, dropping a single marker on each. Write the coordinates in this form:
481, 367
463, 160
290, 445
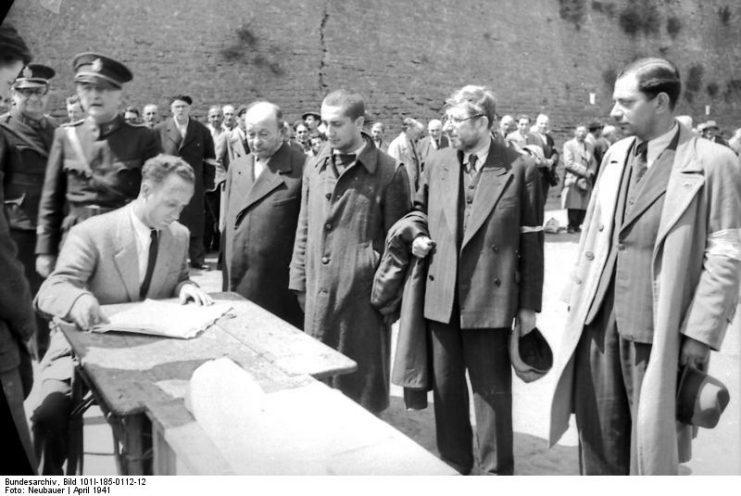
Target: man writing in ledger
138, 251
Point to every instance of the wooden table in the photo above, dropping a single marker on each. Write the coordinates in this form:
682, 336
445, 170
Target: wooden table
140, 381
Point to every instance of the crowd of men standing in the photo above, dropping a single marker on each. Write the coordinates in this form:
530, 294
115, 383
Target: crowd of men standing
303, 215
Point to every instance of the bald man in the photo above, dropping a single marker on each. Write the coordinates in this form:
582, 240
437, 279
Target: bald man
263, 199
435, 140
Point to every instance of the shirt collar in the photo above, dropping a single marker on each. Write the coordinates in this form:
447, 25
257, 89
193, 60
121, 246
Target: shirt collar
355, 152
140, 228
482, 152
657, 145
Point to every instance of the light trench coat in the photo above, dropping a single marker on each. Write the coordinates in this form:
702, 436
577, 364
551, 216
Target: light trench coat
695, 271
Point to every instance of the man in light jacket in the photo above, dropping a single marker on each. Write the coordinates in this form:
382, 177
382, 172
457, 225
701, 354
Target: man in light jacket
655, 285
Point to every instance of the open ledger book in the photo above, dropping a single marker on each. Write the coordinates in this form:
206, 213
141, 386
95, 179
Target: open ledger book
165, 318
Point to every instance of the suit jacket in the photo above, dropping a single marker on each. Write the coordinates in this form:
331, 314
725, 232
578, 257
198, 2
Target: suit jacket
17, 322
425, 148
198, 150
100, 258
405, 152
695, 270
261, 218
498, 267
235, 145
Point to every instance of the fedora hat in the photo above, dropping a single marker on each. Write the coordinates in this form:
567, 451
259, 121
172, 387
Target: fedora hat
701, 398
531, 356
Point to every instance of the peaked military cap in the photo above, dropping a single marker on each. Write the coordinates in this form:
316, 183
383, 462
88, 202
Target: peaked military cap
313, 114
181, 98
34, 75
95, 68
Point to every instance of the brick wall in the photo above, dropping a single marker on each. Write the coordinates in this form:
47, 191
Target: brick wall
404, 56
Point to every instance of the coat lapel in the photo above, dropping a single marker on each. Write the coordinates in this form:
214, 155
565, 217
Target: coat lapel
271, 177
173, 134
163, 262
126, 257
652, 187
450, 185
685, 181
495, 175
190, 133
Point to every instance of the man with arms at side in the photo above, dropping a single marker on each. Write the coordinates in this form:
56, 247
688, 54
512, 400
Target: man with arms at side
655, 284
542, 137
481, 212
404, 149
94, 164
136, 252
263, 199
435, 140
187, 138
214, 209
30, 134
17, 322
352, 193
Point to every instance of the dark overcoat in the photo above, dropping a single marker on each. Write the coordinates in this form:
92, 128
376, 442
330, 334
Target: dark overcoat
260, 228
198, 150
339, 241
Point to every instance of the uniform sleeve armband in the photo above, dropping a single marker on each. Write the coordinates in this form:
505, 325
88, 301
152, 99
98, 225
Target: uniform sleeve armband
530, 229
725, 243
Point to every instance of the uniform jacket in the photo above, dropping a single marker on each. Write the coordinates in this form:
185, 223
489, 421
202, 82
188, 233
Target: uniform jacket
24, 168
339, 240
17, 321
578, 160
405, 152
198, 150
424, 148
696, 266
107, 175
261, 218
498, 268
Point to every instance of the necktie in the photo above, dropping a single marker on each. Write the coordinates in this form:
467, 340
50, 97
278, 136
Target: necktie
640, 164
472, 164
151, 260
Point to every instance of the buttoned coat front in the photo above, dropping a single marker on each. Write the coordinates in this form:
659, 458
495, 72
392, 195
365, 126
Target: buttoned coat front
197, 148
261, 217
498, 267
695, 273
339, 241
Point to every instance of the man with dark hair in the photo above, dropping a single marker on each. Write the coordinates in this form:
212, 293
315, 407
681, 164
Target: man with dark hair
479, 206
376, 133
302, 136
136, 252
263, 198
187, 138
655, 285
236, 139
95, 164
352, 194
17, 322
131, 115
29, 133
213, 199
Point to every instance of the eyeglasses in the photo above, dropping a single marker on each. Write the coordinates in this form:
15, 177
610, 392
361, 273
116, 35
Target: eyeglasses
459, 120
28, 92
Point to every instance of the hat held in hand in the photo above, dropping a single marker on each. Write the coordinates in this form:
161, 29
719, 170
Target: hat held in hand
531, 356
701, 398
